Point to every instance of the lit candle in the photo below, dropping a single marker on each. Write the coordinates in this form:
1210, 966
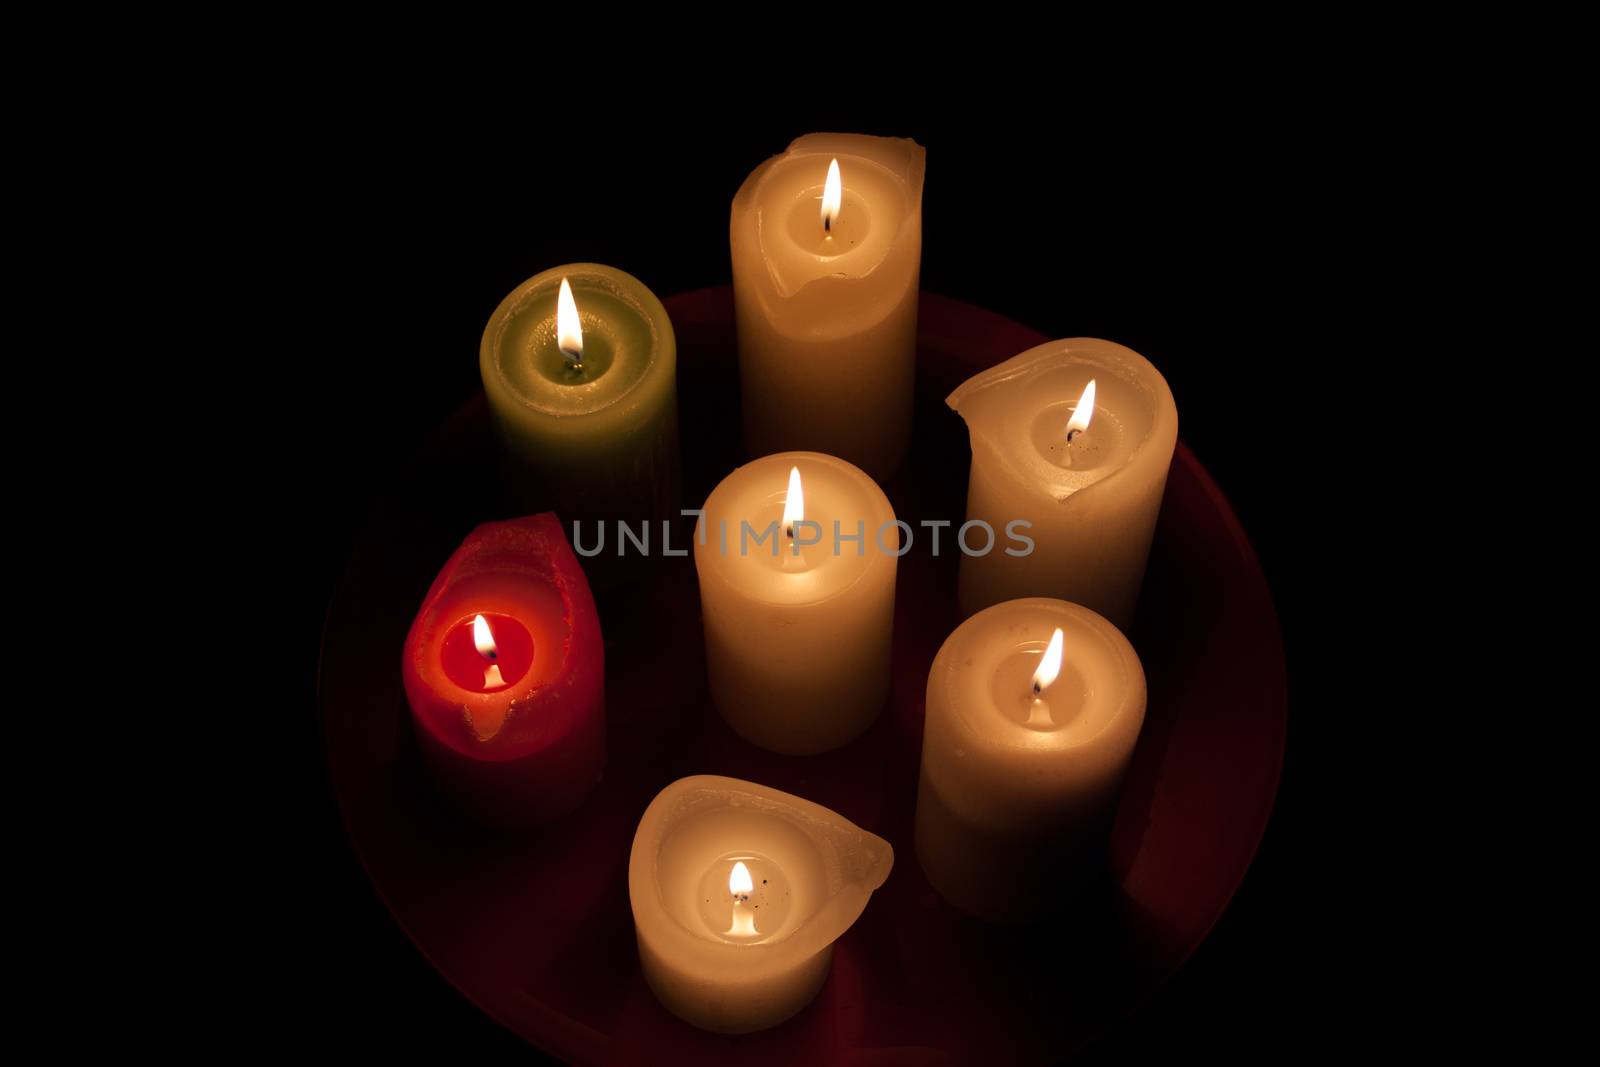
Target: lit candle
827, 247
579, 365
1033, 710
739, 893
1071, 441
797, 555
504, 671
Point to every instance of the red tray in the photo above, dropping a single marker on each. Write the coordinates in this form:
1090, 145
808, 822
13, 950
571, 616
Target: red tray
537, 929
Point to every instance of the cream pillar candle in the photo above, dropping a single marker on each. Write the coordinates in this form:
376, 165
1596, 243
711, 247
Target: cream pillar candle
797, 555
825, 297
739, 892
1086, 476
1024, 747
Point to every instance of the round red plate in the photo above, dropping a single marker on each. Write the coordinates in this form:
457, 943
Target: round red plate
536, 929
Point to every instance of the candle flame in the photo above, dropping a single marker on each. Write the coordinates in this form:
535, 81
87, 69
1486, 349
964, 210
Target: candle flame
832, 197
569, 330
740, 882
1049, 663
483, 638
794, 504
1083, 412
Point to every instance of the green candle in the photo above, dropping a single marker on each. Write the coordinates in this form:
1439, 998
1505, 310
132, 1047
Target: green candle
589, 417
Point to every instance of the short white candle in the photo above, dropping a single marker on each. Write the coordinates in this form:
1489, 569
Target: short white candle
739, 892
827, 247
797, 557
1086, 471
1025, 742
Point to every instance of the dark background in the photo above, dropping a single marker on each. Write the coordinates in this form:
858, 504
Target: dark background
1199, 240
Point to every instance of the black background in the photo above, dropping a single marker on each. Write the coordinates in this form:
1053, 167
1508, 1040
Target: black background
1198, 238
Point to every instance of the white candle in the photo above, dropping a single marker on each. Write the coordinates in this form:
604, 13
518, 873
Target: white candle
797, 555
827, 246
738, 893
1085, 473
1025, 742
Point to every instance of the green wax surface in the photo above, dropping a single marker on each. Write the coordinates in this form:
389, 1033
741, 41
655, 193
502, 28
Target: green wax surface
617, 349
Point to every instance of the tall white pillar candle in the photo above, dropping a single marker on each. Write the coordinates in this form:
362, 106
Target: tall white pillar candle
1080, 472
1024, 747
797, 555
825, 297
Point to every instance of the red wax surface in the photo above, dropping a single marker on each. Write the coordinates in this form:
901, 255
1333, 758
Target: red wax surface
466, 666
528, 751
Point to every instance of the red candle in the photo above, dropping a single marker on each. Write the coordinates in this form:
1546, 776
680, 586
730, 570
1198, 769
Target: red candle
505, 672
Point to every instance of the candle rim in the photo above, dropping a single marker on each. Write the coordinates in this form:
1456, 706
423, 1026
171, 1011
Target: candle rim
693, 954
448, 614
873, 559
1127, 366
877, 172
813, 312
618, 283
1081, 626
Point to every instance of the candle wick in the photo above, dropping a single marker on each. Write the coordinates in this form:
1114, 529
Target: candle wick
827, 224
1072, 433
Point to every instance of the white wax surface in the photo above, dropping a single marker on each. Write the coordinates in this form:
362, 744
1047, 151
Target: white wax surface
1092, 502
695, 862
795, 247
737, 965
